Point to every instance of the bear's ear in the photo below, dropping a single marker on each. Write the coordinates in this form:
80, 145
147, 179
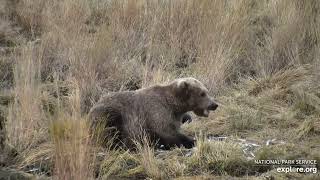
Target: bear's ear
183, 85
182, 90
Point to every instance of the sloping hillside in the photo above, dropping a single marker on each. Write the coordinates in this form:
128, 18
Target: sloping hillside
259, 59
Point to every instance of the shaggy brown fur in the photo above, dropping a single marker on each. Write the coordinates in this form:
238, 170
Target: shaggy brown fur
157, 112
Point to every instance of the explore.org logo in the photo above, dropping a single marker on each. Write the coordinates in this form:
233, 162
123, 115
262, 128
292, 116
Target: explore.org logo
288, 166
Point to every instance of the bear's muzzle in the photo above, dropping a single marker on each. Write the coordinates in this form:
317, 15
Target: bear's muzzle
213, 106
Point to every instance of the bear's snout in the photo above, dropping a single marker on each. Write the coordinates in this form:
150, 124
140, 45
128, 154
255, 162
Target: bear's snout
213, 106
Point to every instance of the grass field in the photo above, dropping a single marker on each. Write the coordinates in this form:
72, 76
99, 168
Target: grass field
260, 59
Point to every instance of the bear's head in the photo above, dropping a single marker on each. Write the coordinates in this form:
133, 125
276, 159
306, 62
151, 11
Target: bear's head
194, 95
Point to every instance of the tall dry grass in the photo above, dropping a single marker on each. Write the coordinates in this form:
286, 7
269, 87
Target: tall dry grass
73, 156
26, 120
216, 41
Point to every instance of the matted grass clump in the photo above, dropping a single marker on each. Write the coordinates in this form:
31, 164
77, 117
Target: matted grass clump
218, 158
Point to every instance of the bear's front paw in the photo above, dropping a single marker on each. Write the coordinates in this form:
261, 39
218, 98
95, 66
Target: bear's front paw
188, 143
186, 118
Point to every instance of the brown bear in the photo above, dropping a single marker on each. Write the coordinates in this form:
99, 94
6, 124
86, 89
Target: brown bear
157, 112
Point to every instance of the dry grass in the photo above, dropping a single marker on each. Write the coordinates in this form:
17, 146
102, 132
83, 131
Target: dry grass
261, 59
148, 160
72, 157
26, 119
218, 158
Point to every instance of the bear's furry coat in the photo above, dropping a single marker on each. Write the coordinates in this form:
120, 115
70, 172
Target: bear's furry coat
156, 111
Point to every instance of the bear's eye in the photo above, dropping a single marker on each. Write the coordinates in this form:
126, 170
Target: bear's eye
203, 94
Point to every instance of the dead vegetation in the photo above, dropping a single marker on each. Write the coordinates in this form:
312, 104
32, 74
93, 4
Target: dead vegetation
260, 59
